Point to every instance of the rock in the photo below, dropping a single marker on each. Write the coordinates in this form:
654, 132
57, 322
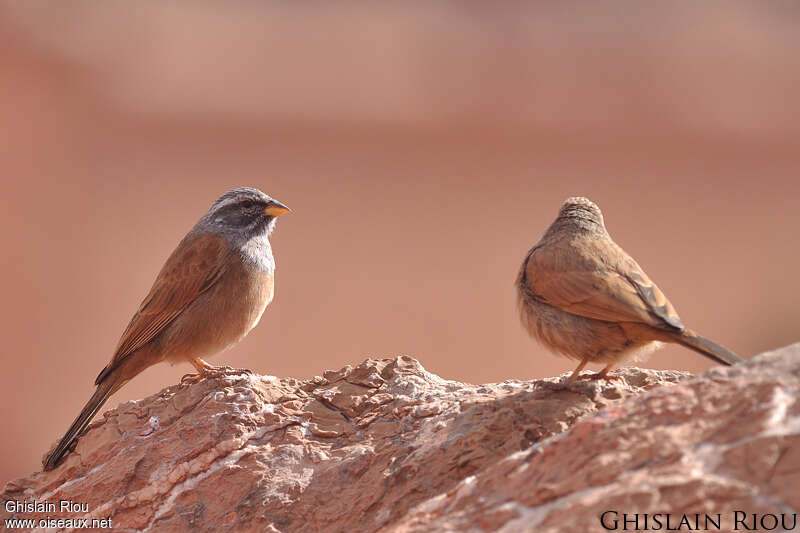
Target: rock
720, 443
388, 446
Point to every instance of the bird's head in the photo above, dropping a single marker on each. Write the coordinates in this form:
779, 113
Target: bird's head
245, 211
577, 215
581, 208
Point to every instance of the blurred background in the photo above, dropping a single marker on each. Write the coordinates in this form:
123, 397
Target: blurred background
424, 147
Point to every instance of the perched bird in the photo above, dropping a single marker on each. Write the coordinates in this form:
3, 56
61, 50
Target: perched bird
209, 294
583, 297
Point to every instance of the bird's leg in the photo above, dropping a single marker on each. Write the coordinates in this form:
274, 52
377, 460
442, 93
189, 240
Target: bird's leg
577, 372
207, 370
203, 367
203, 370
603, 374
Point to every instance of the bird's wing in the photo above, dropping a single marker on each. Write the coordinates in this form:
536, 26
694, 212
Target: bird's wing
193, 268
599, 281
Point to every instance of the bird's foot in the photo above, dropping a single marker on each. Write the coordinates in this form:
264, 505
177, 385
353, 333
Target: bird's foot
191, 379
601, 375
225, 370
206, 370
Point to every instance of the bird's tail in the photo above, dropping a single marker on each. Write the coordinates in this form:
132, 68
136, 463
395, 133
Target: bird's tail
110, 384
707, 347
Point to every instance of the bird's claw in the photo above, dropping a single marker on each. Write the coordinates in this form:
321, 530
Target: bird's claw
214, 372
191, 379
601, 375
226, 370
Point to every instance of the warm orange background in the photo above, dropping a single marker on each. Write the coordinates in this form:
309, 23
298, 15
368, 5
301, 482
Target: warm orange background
424, 147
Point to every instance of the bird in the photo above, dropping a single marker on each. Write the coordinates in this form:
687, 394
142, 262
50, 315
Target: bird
582, 296
211, 291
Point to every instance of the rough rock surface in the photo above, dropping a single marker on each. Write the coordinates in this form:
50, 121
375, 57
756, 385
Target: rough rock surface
387, 446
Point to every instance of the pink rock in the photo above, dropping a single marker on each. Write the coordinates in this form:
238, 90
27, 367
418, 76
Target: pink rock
388, 446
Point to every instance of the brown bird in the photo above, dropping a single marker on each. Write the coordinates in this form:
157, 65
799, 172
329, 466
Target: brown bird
583, 297
209, 294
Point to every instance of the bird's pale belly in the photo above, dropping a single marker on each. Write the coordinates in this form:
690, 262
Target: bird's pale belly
214, 322
578, 337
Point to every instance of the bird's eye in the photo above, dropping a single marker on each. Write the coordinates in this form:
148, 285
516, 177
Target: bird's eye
247, 204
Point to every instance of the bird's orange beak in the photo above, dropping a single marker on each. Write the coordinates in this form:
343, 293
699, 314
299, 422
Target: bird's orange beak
276, 209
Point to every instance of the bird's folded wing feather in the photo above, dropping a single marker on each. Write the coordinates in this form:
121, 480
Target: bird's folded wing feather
610, 287
193, 268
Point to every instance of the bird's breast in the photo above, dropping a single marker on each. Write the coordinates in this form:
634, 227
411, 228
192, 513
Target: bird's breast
221, 316
254, 291
256, 252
